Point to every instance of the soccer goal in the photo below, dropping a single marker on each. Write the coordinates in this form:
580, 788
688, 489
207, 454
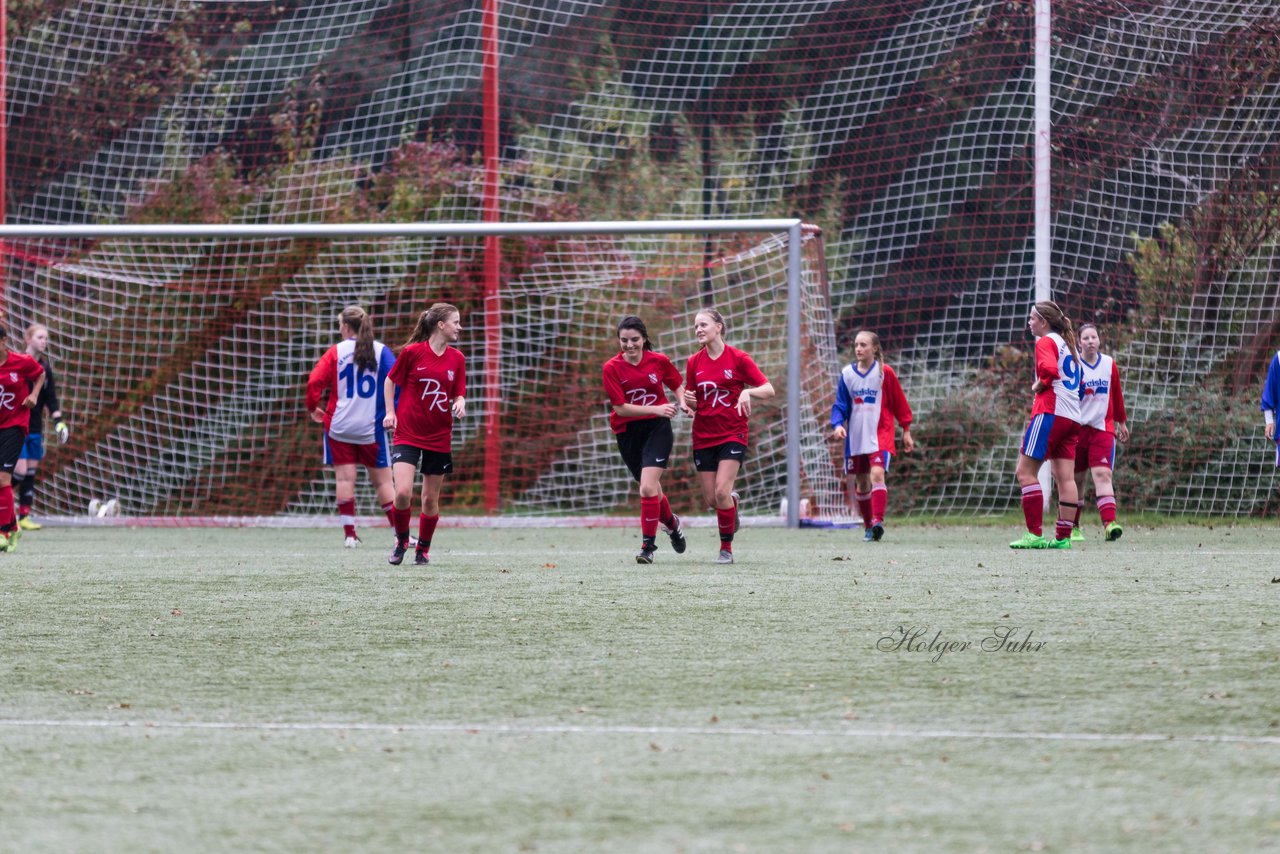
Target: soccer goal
182, 353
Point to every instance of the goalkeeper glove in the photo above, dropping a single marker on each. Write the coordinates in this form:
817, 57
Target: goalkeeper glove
63, 432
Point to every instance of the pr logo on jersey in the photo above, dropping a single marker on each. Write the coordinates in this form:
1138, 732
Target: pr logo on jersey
450, 373
653, 378
728, 373
13, 376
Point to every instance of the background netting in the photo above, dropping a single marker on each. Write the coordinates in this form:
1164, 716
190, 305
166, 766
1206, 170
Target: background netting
903, 129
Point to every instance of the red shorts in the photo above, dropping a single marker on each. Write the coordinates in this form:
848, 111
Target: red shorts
863, 463
371, 456
1050, 437
1095, 448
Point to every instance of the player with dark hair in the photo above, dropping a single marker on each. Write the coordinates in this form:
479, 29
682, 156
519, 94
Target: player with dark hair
351, 374
720, 384
868, 400
1102, 421
37, 339
1054, 427
21, 379
431, 376
641, 421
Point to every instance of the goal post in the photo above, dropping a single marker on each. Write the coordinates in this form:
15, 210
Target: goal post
181, 415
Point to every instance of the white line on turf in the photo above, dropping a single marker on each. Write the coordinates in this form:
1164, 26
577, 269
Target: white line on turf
566, 729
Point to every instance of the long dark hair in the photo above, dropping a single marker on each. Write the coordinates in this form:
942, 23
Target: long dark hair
429, 320
635, 324
359, 322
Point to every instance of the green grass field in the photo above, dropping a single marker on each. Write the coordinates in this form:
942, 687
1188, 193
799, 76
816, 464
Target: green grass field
536, 690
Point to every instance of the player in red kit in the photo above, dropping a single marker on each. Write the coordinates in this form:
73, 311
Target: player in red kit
720, 383
351, 374
21, 379
432, 379
634, 381
1102, 421
868, 400
1054, 427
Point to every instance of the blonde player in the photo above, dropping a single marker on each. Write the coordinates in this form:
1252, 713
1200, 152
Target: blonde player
1102, 421
719, 386
869, 399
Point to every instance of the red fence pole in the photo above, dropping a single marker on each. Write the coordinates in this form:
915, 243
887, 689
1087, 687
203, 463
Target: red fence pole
492, 263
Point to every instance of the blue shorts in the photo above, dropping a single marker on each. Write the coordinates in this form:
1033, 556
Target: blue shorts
33, 448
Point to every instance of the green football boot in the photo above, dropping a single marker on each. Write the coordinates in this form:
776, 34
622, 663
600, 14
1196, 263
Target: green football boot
1029, 541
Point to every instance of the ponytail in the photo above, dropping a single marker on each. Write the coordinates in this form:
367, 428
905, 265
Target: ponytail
428, 321
1059, 323
359, 322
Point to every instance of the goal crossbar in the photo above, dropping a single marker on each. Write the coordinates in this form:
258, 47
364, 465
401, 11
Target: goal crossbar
794, 228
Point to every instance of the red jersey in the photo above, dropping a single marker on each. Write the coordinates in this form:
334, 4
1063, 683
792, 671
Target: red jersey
639, 385
428, 385
17, 374
718, 383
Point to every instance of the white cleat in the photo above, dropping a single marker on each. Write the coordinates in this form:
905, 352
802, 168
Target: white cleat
351, 543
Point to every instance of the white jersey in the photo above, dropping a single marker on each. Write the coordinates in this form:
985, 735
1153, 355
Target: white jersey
1062, 397
864, 403
359, 410
1095, 390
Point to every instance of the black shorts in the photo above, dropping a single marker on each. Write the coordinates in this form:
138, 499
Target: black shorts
430, 462
708, 459
646, 444
11, 441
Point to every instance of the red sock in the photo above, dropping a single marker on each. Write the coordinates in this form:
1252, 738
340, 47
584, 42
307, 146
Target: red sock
402, 524
426, 530
390, 509
6, 508
649, 509
724, 520
24, 510
1106, 508
864, 507
347, 513
665, 516
1076, 521
879, 500
1066, 510
1033, 508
